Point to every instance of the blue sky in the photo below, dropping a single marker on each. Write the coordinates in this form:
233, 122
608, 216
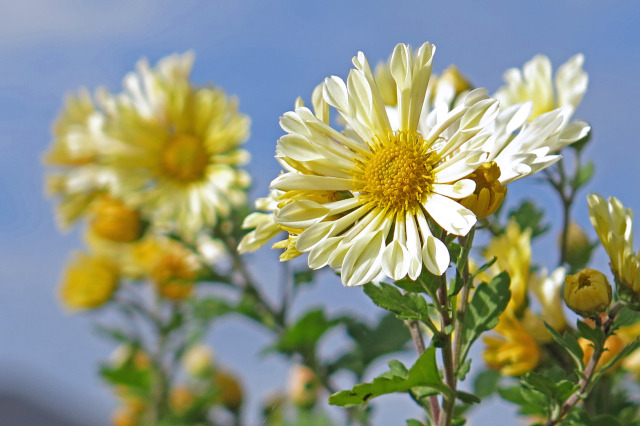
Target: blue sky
266, 53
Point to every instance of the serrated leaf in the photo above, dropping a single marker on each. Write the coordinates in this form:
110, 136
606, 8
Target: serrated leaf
486, 305
411, 286
405, 306
423, 373
626, 317
569, 343
207, 308
528, 216
484, 267
464, 369
593, 334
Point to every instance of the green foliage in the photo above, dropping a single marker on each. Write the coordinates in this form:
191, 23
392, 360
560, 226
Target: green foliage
583, 175
486, 383
303, 336
625, 317
593, 334
303, 277
388, 336
424, 373
486, 305
206, 309
137, 380
406, 306
414, 422
529, 216
569, 343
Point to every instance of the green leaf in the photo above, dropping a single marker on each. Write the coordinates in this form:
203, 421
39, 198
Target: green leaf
423, 373
302, 277
137, 380
625, 317
620, 355
569, 343
405, 306
484, 267
467, 398
464, 369
303, 336
207, 308
486, 383
528, 216
583, 176
488, 302
409, 285
595, 335
114, 334
414, 422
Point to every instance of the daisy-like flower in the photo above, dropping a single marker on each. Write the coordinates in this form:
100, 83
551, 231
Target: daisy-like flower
78, 176
176, 147
613, 223
534, 84
363, 198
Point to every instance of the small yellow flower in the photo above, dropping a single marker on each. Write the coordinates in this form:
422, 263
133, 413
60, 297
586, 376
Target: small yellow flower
513, 252
126, 416
303, 386
230, 391
514, 351
181, 399
455, 78
198, 361
587, 293
113, 220
88, 282
489, 193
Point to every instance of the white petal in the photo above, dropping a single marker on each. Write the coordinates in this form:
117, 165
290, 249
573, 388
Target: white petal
363, 260
435, 256
461, 189
395, 260
301, 214
294, 181
450, 215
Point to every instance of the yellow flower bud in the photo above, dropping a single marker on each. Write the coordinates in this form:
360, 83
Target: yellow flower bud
113, 220
578, 245
174, 274
587, 293
88, 282
489, 193
513, 351
230, 390
198, 361
453, 76
181, 399
303, 386
125, 416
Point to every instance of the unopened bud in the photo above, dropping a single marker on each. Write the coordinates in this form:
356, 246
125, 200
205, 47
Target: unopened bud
181, 399
578, 245
587, 293
229, 390
453, 76
113, 220
489, 193
198, 361
303, 386
125, 416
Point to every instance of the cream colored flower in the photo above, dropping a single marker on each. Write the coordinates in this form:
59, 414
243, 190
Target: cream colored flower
364, 197
534, 84
175, 147
548, 290
614, 225
78, 174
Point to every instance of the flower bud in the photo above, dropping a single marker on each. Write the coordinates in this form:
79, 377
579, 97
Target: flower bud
198, 361
113, 220
125, 416
303, 386
88, 282
587, 293
453, 76
489, 193
578, 245
181, 399
229, 390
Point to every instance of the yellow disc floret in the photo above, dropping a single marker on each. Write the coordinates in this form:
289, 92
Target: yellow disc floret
398, 173
184, 158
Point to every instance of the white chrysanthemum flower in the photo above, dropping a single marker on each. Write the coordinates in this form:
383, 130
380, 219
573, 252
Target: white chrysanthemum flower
534, 84
364, 198
614, 225
176, 147
548, 289
79, 176
264, 225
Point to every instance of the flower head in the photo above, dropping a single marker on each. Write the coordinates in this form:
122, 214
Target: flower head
175, 147
513, 351
363, 198
88, 282
614, 225
303, 386
587, 293
198, 361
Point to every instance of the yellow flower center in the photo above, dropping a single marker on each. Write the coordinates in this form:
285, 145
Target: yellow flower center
398, 173
184, 158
